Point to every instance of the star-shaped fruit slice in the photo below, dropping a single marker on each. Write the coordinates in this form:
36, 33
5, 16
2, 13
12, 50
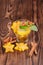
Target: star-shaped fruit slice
21, 46
8, 47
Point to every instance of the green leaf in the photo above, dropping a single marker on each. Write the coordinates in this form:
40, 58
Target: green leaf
23, 27
33, 27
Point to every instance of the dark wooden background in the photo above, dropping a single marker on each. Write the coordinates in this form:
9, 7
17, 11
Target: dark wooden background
11, 10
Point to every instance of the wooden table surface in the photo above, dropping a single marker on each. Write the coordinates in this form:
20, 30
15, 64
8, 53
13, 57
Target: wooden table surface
18, 58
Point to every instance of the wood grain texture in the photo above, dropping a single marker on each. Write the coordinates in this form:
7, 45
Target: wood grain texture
40, 22
11, 10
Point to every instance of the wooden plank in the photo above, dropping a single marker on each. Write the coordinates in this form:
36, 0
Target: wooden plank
3, 59
40, 22
41, 57
12, 59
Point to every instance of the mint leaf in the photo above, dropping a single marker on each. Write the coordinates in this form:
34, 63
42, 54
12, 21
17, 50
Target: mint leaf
33, 27
23, 27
